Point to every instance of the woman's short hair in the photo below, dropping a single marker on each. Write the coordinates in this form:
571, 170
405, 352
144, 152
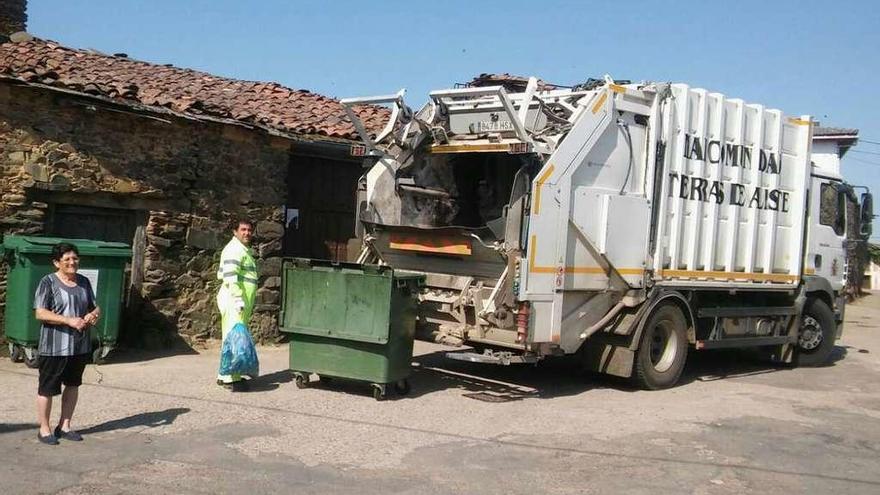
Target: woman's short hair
62, 248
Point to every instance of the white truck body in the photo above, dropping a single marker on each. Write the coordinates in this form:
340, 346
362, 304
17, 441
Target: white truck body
564, 221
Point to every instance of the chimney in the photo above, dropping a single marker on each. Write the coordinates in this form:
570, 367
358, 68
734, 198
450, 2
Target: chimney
12, 17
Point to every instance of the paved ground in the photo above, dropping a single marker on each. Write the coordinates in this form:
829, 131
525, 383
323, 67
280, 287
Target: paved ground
157, 424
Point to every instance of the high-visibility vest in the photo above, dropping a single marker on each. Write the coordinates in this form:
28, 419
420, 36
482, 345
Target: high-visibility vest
238, 271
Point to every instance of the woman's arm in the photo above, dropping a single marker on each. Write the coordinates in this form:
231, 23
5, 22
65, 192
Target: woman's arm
51, 318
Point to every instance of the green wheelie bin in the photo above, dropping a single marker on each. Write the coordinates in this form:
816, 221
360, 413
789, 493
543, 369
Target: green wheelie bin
29, 259
350, 321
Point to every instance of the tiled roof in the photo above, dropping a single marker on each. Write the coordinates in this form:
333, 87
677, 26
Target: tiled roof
834, 132
185, 91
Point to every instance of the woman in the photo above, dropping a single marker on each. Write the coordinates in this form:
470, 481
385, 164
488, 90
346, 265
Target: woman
65, 306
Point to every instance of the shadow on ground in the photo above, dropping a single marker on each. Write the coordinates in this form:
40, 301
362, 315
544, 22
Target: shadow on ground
149, 420
487, 383
126, 353
133, 355
271, 381
721, 364
13, 427
547, 379
557, 377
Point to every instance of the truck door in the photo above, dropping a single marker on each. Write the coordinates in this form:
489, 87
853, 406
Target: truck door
826, 255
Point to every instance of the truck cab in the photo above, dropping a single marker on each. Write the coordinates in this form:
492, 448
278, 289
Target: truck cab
838, 219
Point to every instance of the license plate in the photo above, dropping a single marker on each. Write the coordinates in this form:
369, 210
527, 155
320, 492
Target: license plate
492, 126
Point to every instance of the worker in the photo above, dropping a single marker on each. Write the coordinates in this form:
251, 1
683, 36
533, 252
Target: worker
235, 299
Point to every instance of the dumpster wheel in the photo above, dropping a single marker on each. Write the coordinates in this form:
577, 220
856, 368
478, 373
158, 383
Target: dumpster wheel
402, 387
378, 391
31, 359
15, 353
99, 355
301, 380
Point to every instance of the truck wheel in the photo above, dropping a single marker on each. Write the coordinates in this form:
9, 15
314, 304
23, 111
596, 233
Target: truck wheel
662, 349
816, 336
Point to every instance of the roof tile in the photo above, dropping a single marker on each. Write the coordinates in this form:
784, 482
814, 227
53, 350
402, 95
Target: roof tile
187, 91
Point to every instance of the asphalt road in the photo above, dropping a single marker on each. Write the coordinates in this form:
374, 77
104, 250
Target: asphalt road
158, 424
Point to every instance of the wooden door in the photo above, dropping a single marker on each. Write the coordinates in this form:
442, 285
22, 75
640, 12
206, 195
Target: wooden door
320, 208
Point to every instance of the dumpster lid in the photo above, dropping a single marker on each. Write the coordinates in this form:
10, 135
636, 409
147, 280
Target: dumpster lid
86, 247
338, 300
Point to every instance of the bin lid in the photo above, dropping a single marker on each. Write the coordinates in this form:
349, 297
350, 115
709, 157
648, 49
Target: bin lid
340, 301
86, 247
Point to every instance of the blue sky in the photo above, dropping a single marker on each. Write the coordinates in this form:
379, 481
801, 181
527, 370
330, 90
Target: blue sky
805, 57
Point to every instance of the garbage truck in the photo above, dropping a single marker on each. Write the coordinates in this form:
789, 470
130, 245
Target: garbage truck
621, 223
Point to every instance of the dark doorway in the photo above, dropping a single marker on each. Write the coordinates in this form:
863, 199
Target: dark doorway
321, 208
88, 222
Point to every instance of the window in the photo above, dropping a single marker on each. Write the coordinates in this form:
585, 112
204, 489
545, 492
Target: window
832, 208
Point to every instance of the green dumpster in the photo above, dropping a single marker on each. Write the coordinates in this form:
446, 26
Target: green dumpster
350, 321
29, 259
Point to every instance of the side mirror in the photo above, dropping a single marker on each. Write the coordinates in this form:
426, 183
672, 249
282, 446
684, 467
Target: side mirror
866, 214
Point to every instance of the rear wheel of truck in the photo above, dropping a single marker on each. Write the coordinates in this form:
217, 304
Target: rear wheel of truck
662, 349
816, 335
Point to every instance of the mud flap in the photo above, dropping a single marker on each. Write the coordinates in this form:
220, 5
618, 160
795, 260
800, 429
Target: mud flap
608, 358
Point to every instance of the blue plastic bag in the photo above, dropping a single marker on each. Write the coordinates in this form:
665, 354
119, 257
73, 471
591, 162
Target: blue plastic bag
238, 354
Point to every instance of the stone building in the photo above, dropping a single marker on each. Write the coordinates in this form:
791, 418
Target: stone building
105, 147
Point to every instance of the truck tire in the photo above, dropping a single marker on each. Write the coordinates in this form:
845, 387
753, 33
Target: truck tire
662, 348
816, 335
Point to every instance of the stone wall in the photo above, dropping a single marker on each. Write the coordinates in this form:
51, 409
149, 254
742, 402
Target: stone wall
186, 180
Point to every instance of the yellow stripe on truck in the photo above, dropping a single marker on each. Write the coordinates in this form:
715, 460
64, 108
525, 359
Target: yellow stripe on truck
536, 206
751, 277
533, 247
601, 101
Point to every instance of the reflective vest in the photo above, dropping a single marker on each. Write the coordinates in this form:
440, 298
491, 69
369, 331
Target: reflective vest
238, 271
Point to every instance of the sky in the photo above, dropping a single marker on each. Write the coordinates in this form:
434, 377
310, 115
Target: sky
806, 57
